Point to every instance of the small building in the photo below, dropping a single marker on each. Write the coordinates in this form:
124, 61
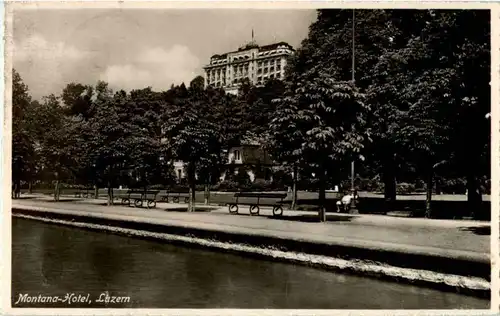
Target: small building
247, 157
251, 158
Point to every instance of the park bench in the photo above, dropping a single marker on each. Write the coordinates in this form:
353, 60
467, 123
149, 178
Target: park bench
254, 207
84, 192
175, 196
141, 196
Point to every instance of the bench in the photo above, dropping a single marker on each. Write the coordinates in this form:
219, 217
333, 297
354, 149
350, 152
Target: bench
148, 196
175, 196
84, 192
254, 207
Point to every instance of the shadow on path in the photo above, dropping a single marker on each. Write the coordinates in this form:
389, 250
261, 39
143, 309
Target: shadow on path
198, 209
25, 198
313, 218
480, 230
62, 200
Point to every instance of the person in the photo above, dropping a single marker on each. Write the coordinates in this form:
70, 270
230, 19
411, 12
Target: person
347, 201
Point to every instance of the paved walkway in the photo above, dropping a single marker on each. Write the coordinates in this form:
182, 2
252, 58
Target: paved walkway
462, 238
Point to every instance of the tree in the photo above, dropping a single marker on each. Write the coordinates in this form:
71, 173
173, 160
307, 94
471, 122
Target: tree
142, 112
78, 100
23, 147
321, 120
191, 133
55, 137
104, 138
328, 117
440, 103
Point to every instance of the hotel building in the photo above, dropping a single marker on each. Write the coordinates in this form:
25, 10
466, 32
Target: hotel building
257, 63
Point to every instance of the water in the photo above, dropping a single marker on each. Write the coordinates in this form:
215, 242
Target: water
54, 260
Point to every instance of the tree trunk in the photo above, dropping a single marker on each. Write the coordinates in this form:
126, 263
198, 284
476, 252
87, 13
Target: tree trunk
15, 189
110, 194
96, 192
110, 186
207, 193
207, 190
389, 176
322, 194
294, 186
30, 187
428, 196
192, 187
474, 197
438, 186
56, 191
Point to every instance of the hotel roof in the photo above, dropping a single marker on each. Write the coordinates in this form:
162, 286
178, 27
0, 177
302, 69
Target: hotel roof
253, 45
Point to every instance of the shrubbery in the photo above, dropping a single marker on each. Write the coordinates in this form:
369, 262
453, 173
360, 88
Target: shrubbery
453, 186
405, 188
368, 184
257, 185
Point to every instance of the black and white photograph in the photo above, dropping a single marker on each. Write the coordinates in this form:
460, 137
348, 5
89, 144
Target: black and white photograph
238, 158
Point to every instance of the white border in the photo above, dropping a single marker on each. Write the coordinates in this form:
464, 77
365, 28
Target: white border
5, 263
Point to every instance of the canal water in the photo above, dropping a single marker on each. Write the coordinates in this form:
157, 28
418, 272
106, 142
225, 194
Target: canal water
51, 260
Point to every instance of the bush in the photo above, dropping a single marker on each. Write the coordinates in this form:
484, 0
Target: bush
453, 186
227, 185
282, 179
370, 185
405, 188
261, 185
184, 187
420, 185
157, 187
486, 186
279, 186
242, 178
308, 184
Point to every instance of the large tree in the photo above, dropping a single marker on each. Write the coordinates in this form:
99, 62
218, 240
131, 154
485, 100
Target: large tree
23, 146
55, 137
105, 137
143, 111
435, 84
191, 132
321, 120
328, 117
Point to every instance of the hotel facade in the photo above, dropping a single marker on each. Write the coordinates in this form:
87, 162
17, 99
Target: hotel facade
257, 63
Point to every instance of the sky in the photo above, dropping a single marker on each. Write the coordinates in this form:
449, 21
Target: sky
137, 48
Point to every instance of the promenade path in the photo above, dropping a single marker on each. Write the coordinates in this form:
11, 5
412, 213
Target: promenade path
462, 237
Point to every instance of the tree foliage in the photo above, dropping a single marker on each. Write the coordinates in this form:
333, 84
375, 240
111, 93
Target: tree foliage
416, 110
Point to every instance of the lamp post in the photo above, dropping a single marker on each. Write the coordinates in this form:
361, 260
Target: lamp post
353, 81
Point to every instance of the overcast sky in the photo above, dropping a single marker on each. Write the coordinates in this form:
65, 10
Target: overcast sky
136, 48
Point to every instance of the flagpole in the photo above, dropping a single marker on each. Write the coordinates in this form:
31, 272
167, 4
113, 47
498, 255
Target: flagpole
353, 81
